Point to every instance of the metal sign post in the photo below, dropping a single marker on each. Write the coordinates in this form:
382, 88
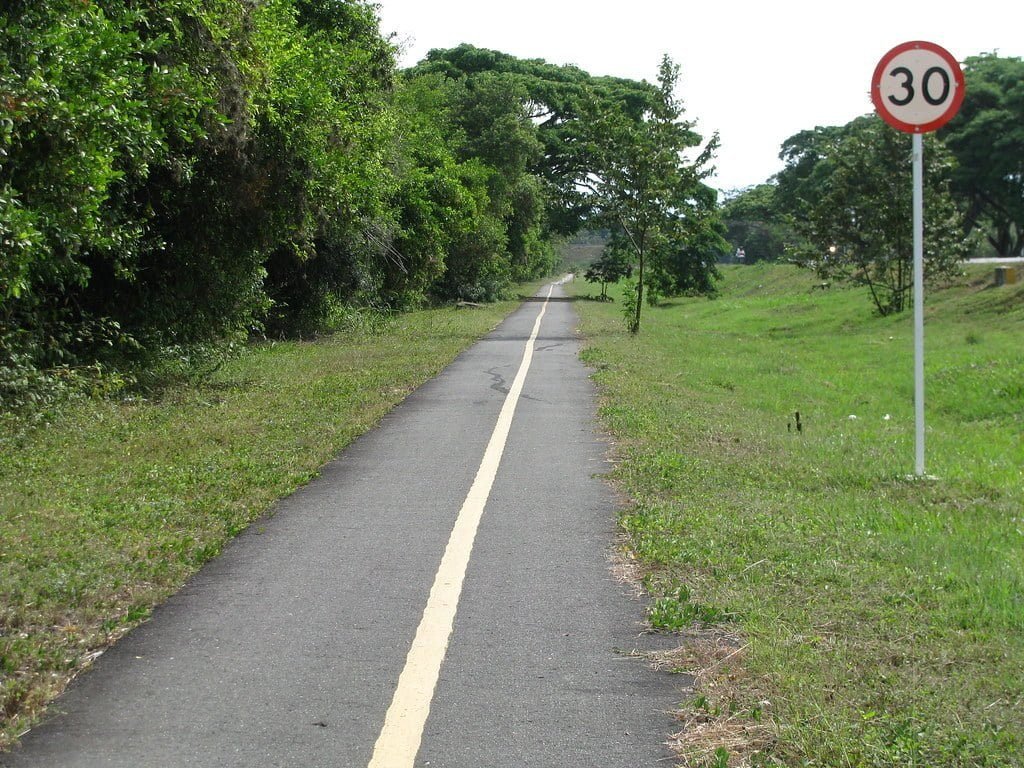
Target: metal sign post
918, 159
918, 87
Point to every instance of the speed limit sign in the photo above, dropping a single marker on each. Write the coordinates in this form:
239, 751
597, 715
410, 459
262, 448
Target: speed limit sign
917, 87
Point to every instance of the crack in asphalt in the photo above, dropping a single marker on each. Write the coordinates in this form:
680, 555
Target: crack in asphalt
498, 383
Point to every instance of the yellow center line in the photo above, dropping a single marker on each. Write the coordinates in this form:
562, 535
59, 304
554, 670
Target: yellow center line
399, 739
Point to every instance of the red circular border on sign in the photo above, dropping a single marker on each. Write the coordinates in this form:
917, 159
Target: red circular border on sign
951, 110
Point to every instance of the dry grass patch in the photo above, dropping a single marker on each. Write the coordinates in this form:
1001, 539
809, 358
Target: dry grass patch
727, 720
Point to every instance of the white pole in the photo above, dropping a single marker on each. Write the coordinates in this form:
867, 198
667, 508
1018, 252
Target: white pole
918, 154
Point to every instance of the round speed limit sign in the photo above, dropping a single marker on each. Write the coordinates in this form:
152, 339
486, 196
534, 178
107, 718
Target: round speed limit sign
917, 87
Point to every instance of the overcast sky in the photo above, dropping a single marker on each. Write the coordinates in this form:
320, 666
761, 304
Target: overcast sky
756, 72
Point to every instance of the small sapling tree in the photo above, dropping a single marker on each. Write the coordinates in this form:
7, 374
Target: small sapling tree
641, 183
613, 265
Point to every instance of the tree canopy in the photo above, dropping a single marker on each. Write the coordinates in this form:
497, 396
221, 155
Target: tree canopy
987, 139
856, 224
180, 173
556, 98
642, 185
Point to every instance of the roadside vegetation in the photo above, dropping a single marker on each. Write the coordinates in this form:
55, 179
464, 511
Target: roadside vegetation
181, 176
975, 182
109, 508
833, 611
189, 188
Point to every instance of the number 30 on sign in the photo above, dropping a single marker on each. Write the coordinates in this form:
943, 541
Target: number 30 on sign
917, 87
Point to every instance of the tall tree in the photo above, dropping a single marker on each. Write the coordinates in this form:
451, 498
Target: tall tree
858, 224
495, 143
987, 138
555, 100
799, 182
642, 183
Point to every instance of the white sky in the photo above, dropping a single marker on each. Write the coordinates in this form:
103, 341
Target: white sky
756, 72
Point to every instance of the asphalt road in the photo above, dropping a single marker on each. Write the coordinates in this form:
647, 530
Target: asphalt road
288, 649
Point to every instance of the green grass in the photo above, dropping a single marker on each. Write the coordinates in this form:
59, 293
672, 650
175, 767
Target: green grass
883, 617
111, 507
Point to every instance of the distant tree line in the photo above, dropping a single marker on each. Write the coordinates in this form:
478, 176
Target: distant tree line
842, 201
175, 174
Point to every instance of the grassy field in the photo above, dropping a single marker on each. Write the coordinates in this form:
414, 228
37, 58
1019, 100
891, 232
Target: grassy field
833, 611
111, 507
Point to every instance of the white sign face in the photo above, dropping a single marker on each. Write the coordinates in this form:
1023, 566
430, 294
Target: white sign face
917, 87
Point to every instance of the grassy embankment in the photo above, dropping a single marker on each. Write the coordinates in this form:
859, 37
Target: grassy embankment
836, 612
108, 509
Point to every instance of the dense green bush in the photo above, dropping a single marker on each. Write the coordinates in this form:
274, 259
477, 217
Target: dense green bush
87, 110
179, 172
129, 214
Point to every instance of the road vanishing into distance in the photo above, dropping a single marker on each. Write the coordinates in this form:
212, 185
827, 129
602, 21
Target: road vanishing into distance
440, 596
